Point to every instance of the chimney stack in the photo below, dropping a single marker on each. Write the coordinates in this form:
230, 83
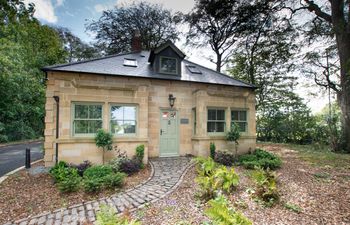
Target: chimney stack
136, 42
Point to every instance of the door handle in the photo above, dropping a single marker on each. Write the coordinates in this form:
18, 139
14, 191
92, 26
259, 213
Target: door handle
161, 131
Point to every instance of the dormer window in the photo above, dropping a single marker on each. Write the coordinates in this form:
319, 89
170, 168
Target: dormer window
168, 65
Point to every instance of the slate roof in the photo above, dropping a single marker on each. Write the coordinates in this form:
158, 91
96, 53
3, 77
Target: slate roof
113, 65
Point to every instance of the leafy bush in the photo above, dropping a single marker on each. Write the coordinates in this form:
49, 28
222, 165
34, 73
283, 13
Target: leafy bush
98, 171
116, 162
260, 158
81, 167
292, 207
71, 183
129, 166
108, 216
220, 212
92, 184
61, 171
265, 186
213, 178
140, 152
212, 150
225, 158
104, 140
114, 180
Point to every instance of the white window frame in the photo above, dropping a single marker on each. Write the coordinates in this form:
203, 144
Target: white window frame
73, 119
160, 65
136, 119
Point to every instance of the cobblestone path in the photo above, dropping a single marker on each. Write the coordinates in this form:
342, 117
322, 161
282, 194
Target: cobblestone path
167, 174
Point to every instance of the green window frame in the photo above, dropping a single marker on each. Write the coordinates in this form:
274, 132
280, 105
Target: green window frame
165, 68
240, 117
216, 120
194, 116
87, 118
123, 119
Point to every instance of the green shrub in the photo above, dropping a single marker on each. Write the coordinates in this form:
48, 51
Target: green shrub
265, 186
104, 140
220, 212
61, 171
292, 207
213, 178
108, 216
70, 183
212, 150
225, 158
114, 180
93, 184
260, 158
98, 171
140, 152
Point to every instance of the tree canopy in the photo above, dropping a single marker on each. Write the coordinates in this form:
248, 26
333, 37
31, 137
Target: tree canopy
115, 28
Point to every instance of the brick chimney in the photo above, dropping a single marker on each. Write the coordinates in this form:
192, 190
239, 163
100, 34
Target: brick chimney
136, 42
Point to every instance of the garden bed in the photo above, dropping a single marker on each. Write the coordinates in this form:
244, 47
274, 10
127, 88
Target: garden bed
23, 195
309, 194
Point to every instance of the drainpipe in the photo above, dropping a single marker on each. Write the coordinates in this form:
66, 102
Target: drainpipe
57, 99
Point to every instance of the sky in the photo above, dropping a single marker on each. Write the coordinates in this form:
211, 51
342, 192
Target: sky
75, 14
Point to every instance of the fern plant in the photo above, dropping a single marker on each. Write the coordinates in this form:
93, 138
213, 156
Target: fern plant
108, 216
226, 178
221, 213
265, 186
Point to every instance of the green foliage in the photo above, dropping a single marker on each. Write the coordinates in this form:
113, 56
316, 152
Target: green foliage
108, 216
140, 152
233, 134
114, 180
155, 24
292, 207
104, 140
212, 150
98, 171
225, 158
25, 47
70, 183
265, 186
221, 213
60, 171
92, 185
260, 158
213, 178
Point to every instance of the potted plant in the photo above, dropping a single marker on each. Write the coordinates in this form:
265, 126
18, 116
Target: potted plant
233, 135
104, 140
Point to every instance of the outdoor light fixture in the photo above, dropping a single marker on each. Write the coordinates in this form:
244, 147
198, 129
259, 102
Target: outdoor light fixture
171, 100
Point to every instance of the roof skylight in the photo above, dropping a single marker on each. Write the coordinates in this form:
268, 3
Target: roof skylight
130, 62
193, 69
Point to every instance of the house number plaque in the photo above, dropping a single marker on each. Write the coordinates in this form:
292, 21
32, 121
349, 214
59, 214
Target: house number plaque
184, 121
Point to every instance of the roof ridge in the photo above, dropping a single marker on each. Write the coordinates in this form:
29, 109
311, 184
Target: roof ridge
87, 60
222, 74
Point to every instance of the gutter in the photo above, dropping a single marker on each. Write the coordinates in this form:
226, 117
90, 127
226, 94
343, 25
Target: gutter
57, 100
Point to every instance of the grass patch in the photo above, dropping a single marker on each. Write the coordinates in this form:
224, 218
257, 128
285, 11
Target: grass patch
321, 156
293, 207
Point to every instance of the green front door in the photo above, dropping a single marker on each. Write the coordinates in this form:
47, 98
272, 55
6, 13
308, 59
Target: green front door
169, 134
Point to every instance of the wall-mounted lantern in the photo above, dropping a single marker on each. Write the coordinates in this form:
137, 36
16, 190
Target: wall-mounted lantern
171, 100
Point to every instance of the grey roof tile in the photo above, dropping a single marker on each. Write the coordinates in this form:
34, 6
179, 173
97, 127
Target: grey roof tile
113, 65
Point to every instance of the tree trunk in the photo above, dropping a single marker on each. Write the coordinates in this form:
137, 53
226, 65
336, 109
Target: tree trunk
343, 43
218, 62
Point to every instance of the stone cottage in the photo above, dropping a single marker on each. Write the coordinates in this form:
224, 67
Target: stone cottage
156, 98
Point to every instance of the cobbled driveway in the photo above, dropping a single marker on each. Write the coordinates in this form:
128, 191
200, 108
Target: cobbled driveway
167, 174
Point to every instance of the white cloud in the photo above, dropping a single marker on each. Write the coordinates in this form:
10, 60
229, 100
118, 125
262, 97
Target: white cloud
44, 10
59, 3
103, 7
179, 5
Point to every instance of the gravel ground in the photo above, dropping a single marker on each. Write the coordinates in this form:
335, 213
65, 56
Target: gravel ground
22, 194
322, 199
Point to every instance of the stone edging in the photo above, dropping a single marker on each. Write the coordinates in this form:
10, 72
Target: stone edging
4, 177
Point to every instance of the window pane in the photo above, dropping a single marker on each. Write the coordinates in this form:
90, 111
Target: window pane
211, 114
242, 126
117, 113
129, 113
211, 126
123, 127
220, 126
95, 111
81, 127
94, 125
81, 111
220, 114
168, 65
129, 127
242, 115
234, 115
